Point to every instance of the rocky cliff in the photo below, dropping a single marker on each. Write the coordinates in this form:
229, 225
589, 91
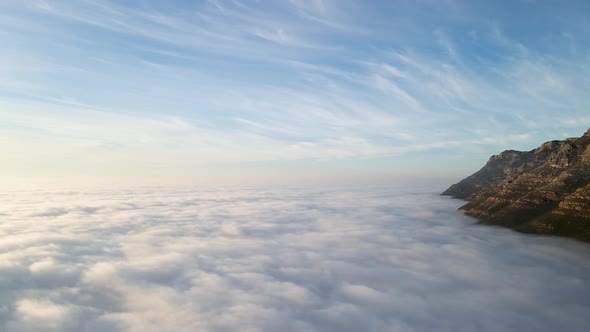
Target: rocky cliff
545, 190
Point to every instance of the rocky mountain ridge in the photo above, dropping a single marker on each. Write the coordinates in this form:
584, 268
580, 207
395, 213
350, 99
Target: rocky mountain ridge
545, 190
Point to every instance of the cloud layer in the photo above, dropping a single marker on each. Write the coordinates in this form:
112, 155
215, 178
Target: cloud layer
268, 259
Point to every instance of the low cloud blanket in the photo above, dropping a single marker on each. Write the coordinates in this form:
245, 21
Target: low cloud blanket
278, 259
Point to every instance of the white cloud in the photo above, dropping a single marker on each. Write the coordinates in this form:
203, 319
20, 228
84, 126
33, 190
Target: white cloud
268, 259
41, 310
228, 82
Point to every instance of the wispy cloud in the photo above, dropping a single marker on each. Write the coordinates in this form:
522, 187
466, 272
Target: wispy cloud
249, 81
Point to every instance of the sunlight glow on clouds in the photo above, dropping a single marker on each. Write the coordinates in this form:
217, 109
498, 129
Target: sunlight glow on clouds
267, 259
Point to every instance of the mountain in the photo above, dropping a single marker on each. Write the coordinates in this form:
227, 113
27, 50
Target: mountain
544, 191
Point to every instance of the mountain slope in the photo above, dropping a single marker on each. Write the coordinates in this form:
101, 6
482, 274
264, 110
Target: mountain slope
545, 190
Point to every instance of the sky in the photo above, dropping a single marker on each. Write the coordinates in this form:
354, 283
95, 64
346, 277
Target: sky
268, 91
266, 259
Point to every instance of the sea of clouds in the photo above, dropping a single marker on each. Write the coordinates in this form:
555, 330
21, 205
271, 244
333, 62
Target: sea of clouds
290, 259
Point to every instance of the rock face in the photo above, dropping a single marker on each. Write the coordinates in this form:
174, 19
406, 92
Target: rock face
545, 190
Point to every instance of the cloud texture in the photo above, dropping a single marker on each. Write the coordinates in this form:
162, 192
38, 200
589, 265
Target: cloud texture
267, 259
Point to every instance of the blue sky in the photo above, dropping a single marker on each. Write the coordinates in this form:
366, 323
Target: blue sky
214, 91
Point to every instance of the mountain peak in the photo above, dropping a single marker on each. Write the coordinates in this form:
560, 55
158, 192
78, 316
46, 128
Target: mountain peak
545, 190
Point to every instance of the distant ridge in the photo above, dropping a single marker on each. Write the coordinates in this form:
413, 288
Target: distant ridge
545, 190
